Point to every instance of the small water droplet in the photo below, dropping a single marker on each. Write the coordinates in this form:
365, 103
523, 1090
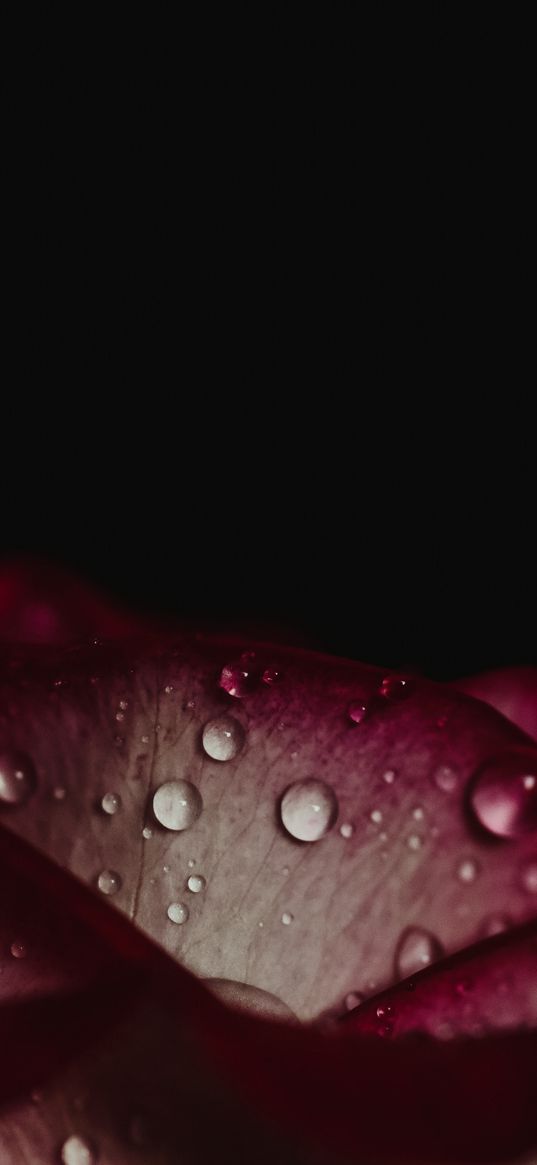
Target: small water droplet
191, 863
196, 883
147, 832
261, 924
177, 804
59, 794
123, 704
495, 924
238, 678
271, 675
395, 687
503, 794
529, 877
353, 999
168, 689
144, 739
414, 842
389, 776
285, 870
76, 1150
357, 711
418, 813
287, 918
309, 809
467, 870
18, 950
445, 778
120, 716
416, 949
376, 816
111, 803
165, 869
223, 738
109, 882
177, 912
346, 830
18, 780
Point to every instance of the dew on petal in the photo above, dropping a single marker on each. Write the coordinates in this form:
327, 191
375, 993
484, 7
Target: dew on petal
245, 997
168, 689
353, 999
395, 687
123, 705
414, 842
18, 778
59, 793
376, 816
445, 778
18, 950
109, 882
418, 813
177, 912
309, 809
196, 883
416, 949
346, 830
495, 924
468, 870
503, 794
177, 804
111, 803
76, 1150
147, 832
389, 776
271, 675
529, 877
238, 678
357, 711
287, 918
223, 738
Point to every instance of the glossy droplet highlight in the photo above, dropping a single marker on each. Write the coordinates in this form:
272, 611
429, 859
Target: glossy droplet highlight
287, 918
357, 711
503, 794
395, 688
271, 675
18, 950
196, 883
223, 738
177, 912
468, 870
416, 949
445, 778
238, 678
346, 830
309, 809
76, 1150
147, 832
177, 804
376, 816
109, 882
353, 999
414, 842
18, 778
111, 803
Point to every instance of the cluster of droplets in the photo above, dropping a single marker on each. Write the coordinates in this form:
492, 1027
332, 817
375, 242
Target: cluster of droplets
244, 675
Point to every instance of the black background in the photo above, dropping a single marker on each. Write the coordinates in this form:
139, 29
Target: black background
270, 332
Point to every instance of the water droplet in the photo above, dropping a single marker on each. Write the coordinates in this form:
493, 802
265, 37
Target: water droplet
223, 738
196, 882
389, 776
357, 711
77, 1150
18, 778
414, 842
384, 1010
529, 877
309, 809
285, 870
123, 705
418, 813
467, 870
376, 816
238, 678
165, 869
503, 794
111, 803
287, 918
416, 949
177, 912
248, 998
59, 794
394, 688
144, 739
120, 716
191, 863
346, 830
168, 689
271, 675
353, 999
445, 778
18, 950
109, 882
147, 832
495, 924
177, 804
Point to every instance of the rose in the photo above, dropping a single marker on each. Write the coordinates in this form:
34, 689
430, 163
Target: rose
144, 1049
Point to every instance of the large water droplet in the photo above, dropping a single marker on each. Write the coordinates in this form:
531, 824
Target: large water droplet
416, 949
177, 804
111, 803
18, 778
76, 1150
177, 912
503, 793
395, 687
223, 738
247, 998
309, 809
239, 678
109, 882
196, 883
